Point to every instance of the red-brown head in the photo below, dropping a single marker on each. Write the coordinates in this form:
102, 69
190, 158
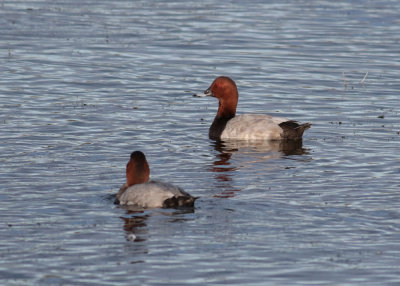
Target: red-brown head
137, 169
224, 88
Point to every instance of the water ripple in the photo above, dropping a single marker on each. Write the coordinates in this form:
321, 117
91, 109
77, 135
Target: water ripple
83, 85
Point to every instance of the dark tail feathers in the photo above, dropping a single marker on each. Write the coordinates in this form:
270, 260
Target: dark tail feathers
292, 130
181, 201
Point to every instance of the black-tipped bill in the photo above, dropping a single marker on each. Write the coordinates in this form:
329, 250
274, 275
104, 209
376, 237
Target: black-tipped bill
204, 94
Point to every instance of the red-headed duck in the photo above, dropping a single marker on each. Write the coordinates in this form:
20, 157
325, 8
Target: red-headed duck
227, 125
141, 192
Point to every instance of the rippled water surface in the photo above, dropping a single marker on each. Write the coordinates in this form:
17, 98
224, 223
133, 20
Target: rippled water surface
85, 83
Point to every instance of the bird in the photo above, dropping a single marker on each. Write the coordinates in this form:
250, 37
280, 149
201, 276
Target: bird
228, 125
139, 191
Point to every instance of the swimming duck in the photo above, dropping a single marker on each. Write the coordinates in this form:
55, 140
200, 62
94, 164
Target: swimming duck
141, 192
227, 125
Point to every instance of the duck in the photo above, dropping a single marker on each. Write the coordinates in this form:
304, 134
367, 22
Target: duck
140, 191
227, 125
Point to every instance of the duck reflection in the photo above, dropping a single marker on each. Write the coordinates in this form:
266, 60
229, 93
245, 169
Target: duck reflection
136, 224
135, 227
223, 169
265, 150
283, 148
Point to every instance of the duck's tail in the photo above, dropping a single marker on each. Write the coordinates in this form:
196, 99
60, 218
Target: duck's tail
181, 201
292, 130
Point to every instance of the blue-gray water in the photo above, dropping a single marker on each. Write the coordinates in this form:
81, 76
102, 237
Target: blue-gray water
84, 83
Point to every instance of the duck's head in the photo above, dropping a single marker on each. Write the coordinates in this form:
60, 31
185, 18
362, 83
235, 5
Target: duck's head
223, 88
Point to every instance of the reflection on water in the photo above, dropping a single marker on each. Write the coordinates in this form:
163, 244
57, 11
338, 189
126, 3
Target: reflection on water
250, 152
135, 227
284, 147
136, 220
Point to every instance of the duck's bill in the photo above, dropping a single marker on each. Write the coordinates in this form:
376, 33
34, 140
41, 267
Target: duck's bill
199, 95
203, 94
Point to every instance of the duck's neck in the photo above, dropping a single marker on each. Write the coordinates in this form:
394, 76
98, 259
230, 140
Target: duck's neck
137, 173
224, 114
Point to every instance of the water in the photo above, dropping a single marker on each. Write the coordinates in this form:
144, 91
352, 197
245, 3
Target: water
84, 83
